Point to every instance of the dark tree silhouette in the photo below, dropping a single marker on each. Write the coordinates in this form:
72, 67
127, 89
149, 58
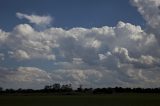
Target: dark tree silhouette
66, 89
1, 89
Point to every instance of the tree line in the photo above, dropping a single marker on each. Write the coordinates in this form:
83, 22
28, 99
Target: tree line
67, 89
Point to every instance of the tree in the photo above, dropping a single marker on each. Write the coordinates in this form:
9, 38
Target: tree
1, 89
66, 88
47, 87
80, 89
56, 86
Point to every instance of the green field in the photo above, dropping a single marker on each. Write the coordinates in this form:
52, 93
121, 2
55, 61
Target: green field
86, 100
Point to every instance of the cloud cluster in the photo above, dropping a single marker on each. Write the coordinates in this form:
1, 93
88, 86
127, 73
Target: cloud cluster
124, 55
26, 43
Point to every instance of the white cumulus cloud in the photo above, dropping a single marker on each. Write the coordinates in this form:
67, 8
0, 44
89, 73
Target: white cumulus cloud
150, 10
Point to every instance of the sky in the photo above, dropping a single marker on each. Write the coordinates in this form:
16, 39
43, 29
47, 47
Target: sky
71, 13
94, 43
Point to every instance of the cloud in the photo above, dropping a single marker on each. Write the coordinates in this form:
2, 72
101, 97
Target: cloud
2, 56
26, 43
24, 77
3, 36
124, 55
35, 19
19, 54
150, 10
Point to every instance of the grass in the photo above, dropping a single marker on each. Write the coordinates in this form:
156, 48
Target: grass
81, 100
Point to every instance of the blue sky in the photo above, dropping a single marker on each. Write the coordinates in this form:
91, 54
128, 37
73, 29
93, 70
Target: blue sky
96, 43
71, 13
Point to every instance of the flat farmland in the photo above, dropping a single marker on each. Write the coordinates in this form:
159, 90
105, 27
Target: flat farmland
81, 100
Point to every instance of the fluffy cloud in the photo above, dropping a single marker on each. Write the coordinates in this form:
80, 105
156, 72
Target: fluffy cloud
149, 9
35, 19
3, 36
26, 43
124, 55
19, 54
